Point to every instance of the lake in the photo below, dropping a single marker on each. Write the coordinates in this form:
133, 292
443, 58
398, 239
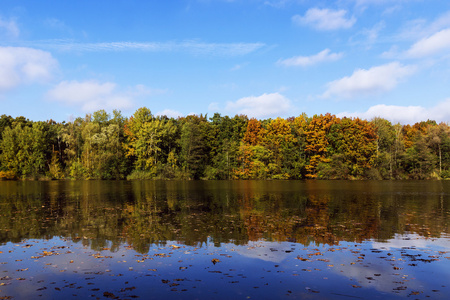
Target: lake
225, 239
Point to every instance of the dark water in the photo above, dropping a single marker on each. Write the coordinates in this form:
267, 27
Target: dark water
225, 240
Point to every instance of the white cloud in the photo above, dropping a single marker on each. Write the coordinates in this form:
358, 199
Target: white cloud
413, 240
368, 36
372, 34
420, 28
372, 81
213, 106
9, 27
264, 106
305, 61
325, 19
440, 23
393, 52
434, 44
261, 250
91, 95
170, 113
405, 114
24, 65
192, 47
392, 9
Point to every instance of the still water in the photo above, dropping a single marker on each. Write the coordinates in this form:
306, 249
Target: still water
225, 240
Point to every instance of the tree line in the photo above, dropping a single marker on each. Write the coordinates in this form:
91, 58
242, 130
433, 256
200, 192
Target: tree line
144, 146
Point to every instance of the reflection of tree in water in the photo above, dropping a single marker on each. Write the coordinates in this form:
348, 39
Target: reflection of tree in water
426, 218
316, 225
107, 214
316, 219
262, 220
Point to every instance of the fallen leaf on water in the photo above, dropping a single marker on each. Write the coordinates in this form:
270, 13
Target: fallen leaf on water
302, 259
109, 295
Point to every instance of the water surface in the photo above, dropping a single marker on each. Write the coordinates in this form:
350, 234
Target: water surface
225, 239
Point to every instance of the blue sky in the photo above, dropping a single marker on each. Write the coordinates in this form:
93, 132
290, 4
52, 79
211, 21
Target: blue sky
263, 58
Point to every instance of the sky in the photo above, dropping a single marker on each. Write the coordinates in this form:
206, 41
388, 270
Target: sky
263, 58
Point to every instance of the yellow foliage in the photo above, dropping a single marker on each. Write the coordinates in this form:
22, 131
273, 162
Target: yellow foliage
7, 175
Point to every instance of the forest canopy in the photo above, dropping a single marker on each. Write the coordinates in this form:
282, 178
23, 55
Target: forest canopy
110, 146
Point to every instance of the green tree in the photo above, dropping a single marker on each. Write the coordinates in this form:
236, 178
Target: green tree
71, 139
353, 144
193, 146
89, 132
23, 149
150, 140
419, 160
438, 139
222, 139
385, 143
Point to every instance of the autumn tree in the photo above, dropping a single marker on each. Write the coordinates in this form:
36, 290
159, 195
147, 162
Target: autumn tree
317, 142
254, 162
254, 157
353, 144
280, 141
109, 146
254, 133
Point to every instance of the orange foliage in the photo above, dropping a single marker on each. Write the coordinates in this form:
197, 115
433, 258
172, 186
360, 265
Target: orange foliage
316, 141
7, 175
253, 135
